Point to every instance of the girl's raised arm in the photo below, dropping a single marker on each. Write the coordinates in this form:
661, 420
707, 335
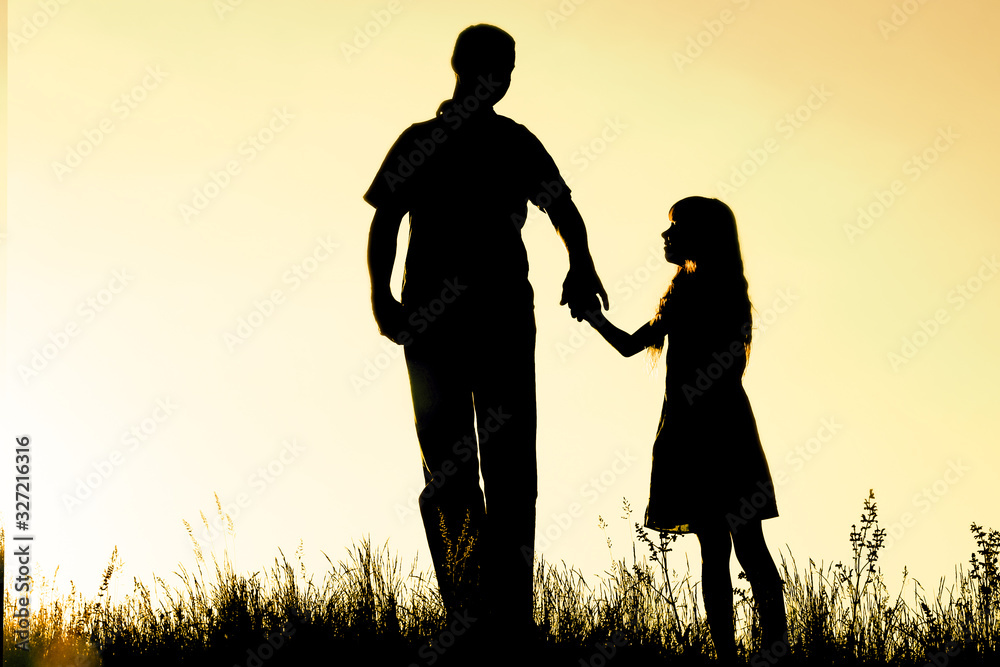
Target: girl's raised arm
626, 344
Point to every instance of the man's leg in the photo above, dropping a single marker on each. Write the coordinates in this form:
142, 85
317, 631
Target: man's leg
504, 392
451, 503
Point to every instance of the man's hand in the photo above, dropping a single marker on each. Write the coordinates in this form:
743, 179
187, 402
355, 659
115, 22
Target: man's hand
582, 287
389, 314
583, 292
390, 317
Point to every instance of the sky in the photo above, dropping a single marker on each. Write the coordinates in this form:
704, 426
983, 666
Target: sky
187, 300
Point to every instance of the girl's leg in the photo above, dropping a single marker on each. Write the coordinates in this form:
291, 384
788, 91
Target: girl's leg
752, 553
717, 588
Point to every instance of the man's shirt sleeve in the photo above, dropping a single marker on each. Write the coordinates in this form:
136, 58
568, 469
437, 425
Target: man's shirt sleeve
391, 183
544, 184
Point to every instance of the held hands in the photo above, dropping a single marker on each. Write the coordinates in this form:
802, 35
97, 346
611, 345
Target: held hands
584, 293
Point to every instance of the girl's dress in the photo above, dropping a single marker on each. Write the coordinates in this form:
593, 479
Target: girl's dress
708, 464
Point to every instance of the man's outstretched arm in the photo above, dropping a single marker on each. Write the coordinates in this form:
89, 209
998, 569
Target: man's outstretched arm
381, 256
582, 287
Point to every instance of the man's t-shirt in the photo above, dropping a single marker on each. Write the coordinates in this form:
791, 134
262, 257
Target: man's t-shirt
466, 183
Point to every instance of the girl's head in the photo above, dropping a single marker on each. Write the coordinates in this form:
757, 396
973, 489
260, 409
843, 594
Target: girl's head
703, 232
709, 285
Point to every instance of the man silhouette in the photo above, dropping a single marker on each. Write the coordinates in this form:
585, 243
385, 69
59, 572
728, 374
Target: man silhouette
467, 323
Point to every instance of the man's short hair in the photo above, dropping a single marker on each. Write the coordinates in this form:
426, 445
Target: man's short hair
483, 49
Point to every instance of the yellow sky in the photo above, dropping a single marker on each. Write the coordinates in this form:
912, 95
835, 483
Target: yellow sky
187, 296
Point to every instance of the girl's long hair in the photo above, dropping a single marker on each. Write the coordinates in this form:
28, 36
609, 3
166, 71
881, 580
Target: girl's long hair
713, 277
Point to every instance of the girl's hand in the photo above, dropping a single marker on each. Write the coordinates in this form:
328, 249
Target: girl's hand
595, 316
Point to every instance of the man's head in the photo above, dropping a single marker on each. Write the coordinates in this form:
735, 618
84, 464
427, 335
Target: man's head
483, 51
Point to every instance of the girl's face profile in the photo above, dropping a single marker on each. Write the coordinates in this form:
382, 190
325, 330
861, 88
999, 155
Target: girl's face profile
676, 248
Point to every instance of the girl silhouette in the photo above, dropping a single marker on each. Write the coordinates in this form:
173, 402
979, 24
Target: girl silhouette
709, 476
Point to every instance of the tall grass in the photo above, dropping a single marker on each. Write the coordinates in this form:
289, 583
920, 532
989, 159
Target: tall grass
370, 609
